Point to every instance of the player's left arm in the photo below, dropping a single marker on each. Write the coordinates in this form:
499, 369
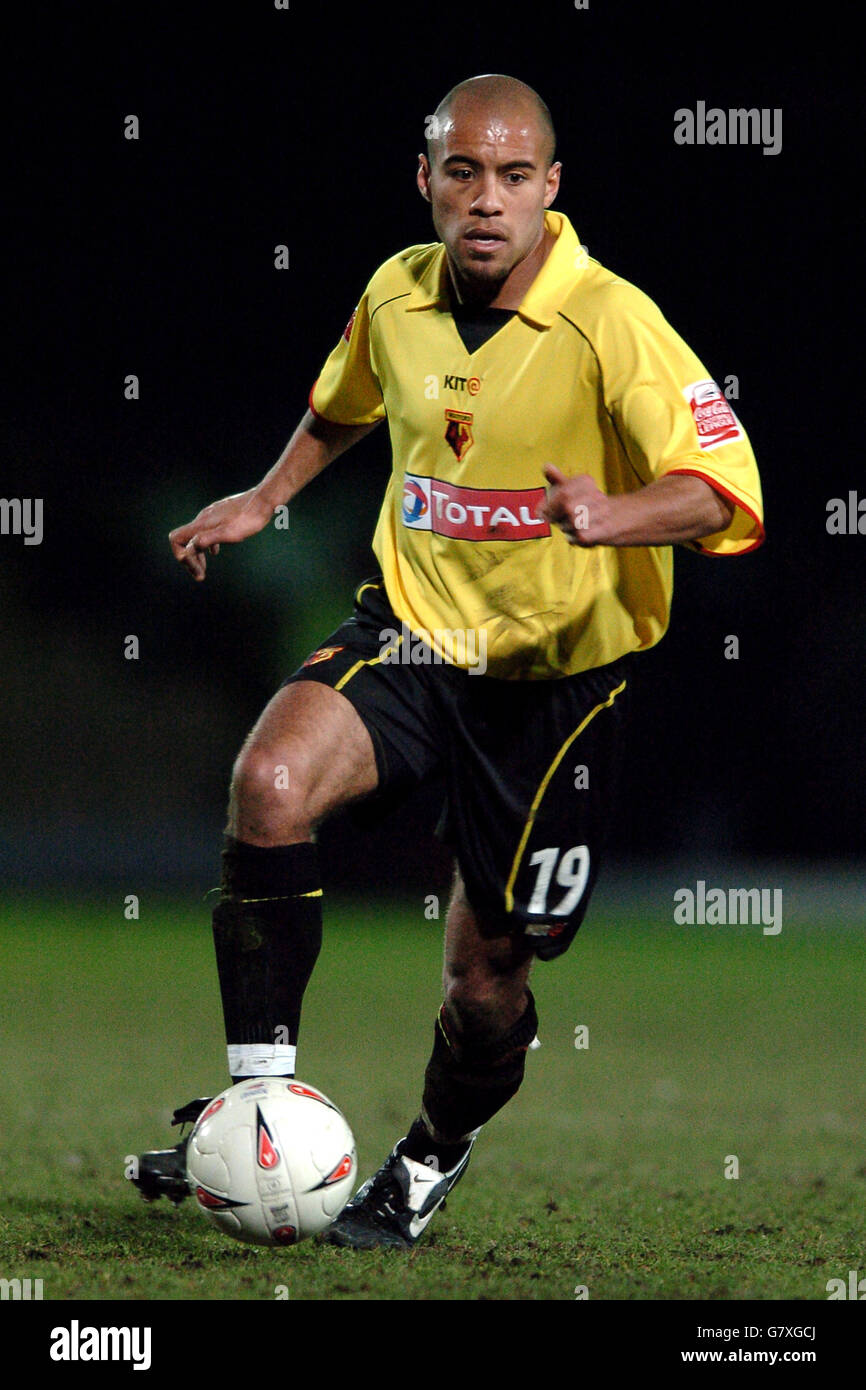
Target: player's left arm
672, 509
697, 476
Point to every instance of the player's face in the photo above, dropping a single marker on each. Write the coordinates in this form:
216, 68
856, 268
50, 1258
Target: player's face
488, 188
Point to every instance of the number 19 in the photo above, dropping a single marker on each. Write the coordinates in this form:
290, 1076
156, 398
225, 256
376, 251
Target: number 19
572, 873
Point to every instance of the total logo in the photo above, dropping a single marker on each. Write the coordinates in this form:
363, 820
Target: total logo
416, 503
470, 513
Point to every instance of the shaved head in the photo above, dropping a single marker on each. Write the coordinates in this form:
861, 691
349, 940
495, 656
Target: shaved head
489, 175
494, 94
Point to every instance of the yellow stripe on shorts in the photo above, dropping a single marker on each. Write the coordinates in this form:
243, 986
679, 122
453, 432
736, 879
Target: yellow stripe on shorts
366, 661
533, 810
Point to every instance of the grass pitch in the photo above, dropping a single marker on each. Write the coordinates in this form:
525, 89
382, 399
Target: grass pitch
607, 1171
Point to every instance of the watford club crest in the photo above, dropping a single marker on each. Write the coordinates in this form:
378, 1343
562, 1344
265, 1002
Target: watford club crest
458, 431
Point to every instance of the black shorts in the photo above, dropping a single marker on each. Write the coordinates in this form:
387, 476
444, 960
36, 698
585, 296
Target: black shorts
531, 766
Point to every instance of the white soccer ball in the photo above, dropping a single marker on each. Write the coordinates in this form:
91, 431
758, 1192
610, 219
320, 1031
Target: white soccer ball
271, 1161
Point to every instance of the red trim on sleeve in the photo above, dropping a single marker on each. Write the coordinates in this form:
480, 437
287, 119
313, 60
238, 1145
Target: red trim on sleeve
310, 400
318, 414
718, 487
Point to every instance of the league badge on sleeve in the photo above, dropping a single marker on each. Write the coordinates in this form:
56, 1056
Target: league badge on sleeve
714, 420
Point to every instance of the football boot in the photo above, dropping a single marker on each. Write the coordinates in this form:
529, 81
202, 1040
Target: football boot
394, 1206
162, 1172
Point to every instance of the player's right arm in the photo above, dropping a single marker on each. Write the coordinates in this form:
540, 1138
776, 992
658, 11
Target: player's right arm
345, 404
315, 443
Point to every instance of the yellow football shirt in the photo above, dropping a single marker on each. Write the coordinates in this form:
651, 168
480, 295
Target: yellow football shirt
587, 375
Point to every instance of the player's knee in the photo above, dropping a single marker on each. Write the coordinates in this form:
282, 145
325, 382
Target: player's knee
481, 1003
270, 793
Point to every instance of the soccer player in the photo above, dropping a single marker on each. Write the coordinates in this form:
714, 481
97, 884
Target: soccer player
552, 439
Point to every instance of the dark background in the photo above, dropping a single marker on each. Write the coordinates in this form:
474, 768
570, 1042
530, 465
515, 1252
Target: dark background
155, 257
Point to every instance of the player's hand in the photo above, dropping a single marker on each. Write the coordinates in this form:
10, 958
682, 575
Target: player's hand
583, 513
231, 519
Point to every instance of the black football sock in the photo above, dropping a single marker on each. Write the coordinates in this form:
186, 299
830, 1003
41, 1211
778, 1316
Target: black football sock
267, 931
465, 1085
419, 1145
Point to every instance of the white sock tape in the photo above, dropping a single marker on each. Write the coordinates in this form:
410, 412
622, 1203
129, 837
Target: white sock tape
261, 1059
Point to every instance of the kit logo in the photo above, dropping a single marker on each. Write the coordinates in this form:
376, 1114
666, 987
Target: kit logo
472, 384
458, 431
714, 420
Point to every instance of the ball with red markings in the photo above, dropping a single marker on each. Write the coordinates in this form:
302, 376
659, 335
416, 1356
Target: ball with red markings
271, 1161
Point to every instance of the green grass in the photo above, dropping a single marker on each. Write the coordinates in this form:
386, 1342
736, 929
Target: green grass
607, 1170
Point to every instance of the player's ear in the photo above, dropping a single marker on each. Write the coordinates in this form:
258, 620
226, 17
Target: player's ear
423, 177
552, 184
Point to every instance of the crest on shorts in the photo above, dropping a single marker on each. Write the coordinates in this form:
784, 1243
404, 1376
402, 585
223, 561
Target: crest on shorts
323, 654
458, 431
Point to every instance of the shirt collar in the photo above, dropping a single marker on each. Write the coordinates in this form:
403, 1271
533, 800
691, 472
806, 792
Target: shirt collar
563, 267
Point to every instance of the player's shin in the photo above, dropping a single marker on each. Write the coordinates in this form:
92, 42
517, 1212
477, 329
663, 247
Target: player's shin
267, 931
465, 1084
